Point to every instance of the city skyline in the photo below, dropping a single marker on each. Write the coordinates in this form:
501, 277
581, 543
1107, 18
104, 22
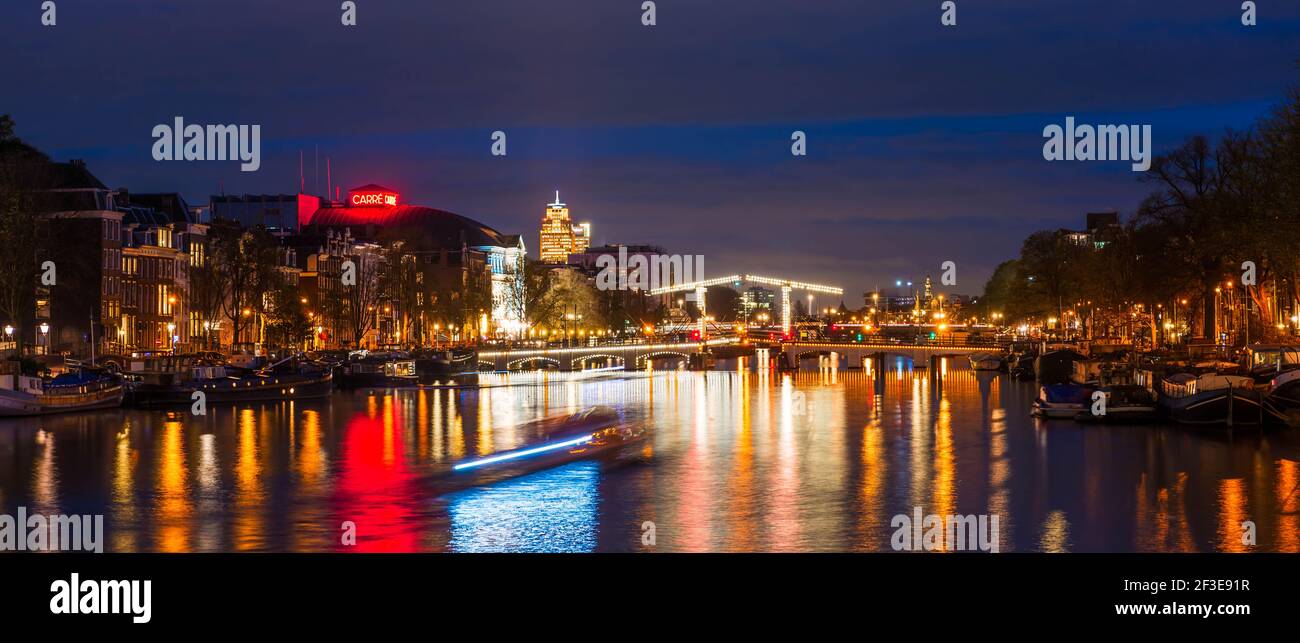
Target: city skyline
911, 131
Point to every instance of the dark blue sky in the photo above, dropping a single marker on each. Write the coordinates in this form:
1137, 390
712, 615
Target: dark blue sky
924, 142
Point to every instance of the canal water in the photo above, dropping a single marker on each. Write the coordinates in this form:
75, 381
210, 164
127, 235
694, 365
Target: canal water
738, 461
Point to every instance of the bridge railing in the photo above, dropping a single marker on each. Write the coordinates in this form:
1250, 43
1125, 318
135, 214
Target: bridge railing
989, 342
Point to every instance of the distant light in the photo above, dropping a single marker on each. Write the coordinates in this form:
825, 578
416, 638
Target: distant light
523, 454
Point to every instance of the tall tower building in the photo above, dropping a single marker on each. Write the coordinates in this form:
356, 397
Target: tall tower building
581, 237
559, 236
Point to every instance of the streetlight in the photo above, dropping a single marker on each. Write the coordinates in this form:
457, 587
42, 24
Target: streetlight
45, 331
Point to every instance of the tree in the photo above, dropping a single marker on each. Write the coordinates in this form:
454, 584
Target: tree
1194, 213
722, 303
538, 306
287, 323
245, 262
360, 299
1002, 290
24, 171
1049, 264
400, 285
571, 302
206, 294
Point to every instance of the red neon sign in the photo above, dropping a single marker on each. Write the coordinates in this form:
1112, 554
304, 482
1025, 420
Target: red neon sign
374, 198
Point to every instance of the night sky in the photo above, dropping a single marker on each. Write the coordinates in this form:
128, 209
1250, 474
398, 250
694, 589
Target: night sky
924, 142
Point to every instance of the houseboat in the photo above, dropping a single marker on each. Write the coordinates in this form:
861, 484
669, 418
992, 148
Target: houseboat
1213, 399
78, 390
370, 369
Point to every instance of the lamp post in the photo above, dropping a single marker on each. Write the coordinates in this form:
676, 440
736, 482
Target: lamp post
9, 333
45, 334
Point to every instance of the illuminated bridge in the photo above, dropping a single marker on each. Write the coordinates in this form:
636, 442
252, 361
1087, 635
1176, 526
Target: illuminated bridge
634, 356
628, 356
852, 354
786, 285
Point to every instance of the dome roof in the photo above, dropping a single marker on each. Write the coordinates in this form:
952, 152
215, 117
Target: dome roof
443, 229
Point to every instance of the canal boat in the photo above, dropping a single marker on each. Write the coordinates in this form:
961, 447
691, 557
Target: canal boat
79, 390
437, 366
596, 433
1020, 361
1213, 399
1061, 400
1125, 403
1266, 361
287, 379
366, 369
1284, 396
1056, 366
986, 361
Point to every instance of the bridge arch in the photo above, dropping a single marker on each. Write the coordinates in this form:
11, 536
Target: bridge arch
510, 366
642, 359
577, 362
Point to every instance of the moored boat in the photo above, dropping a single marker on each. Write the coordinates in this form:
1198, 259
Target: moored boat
363, 369
1124, 403
1056, 366
986, 361
220, 383
282, 381
1213, 399
434, 366
1061, 400
79, 390
1020, 361
1284, 396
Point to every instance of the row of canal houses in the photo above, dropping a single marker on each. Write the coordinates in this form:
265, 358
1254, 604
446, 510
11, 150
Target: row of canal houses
122, 265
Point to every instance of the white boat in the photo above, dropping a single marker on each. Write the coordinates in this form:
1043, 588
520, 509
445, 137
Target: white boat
985, 361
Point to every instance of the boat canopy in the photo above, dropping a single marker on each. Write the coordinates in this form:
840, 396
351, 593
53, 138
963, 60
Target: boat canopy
1066, 394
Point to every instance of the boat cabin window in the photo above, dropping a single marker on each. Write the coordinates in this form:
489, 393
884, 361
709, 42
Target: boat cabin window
1282, 357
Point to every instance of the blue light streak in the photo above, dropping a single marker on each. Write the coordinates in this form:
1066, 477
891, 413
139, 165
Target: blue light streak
522, 454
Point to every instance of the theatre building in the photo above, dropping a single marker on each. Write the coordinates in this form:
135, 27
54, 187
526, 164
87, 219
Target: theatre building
467, 276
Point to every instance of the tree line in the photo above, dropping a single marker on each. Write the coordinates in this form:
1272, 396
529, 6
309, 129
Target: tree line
1214, 205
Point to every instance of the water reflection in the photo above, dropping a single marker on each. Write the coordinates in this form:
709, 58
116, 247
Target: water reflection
740, 461
551, 511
